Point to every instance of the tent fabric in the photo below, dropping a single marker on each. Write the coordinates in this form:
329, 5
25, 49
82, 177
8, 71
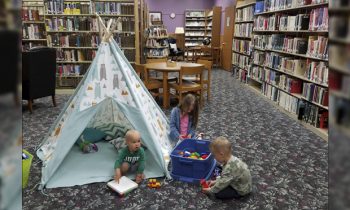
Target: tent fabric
110, 92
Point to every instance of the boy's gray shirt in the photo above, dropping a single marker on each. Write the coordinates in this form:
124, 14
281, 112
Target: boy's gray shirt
235, 173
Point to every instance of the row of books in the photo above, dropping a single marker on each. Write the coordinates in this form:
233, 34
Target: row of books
259, 57
157, 43
260, 41
312, 114
194, 33
73, 40
272, 60
244, 29
195, 14
72, 24
30, 14
193, 23
85, 24
317, 72
273, 5
125, 39
314, 46
157, 32
271, 77
242, 75
240, 60
192, 43
245, 14
69, 70
293, 66
289, 84
315, 93
316, 20
114, 8
271, 92
242, 46
29, 45
257, 73
76, 8
75, 55
288, 102
33, 31
157, 52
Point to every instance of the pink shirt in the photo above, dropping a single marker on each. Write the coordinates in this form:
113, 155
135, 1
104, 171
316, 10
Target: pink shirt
184, 124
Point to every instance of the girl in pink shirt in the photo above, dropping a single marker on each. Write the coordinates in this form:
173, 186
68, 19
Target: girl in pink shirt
184, 118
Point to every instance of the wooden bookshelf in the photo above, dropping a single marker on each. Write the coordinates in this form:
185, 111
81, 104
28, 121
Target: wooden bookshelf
243, 17
156, 44
129, 28
195, 19
33, 28
262, 68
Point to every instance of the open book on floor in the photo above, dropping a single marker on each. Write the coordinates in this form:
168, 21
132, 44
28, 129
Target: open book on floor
124, 186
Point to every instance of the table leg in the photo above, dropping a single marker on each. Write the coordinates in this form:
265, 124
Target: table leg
166, 103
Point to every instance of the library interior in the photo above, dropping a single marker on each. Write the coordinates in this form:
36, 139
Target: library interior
187, 104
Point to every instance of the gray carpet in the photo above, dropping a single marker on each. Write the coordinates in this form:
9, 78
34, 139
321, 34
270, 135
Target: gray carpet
288, 162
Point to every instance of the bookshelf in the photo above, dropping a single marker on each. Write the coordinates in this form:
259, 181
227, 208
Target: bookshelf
339, 75
157, 45
33, 24
289, 56
242, 44
72, 28
196, 27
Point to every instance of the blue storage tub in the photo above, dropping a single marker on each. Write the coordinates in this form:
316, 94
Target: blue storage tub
192, 168
194, 180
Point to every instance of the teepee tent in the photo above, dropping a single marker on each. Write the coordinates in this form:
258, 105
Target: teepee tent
110, 92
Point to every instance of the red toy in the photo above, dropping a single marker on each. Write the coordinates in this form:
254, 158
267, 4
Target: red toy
204, 183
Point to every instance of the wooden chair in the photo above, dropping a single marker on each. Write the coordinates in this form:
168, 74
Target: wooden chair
183, 86
152, 85
206, 80
206, 53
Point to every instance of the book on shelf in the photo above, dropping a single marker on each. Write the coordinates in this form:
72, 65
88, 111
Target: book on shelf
124, 186
32, 31
319, 19
318, 47
270, 91
157, 43
313, 114
257, 73
157, 32
114, 8
293, 66
259, 7
242, 46
73, 40
288, 102
259, 57
245, 14
75, 55
317, 72
157, 52
30, 14
69, 70
273, 5
240, 60
315, 93
244, 29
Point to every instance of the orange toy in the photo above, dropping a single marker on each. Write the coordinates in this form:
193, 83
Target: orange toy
153, 183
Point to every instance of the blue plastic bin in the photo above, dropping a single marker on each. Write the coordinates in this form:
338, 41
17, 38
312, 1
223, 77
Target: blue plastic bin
191, 168
194, 180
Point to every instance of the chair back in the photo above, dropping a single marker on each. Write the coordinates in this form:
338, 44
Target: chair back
206, 52
158, 60
191, 71
39, 72
207, 64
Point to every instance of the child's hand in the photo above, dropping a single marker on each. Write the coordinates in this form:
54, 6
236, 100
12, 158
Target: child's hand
212, 183
117, 175
139, 178
206, 190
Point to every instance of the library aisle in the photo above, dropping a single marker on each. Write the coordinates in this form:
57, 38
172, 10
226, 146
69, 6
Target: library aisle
289, 163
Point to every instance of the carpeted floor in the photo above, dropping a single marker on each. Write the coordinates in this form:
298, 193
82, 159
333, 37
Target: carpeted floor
288, 162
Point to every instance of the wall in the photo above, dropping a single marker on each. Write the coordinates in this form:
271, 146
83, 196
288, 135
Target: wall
178, 7
223, 4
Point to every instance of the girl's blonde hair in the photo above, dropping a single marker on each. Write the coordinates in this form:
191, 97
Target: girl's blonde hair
185, 104
222, 145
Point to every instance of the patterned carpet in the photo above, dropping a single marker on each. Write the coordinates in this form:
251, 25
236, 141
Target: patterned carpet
288, 162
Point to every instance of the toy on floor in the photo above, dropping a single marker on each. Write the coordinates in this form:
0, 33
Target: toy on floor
153, 183
88, 147
194, 155
204, 183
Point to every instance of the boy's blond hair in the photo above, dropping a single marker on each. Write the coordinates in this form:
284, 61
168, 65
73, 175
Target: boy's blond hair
221, 145
132, 134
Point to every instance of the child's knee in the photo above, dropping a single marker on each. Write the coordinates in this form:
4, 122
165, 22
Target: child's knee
124, 167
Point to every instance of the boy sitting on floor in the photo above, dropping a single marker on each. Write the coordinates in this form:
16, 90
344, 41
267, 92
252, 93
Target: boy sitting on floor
131, 157
235, 180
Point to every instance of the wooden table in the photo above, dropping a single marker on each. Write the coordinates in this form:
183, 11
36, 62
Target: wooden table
162, 67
